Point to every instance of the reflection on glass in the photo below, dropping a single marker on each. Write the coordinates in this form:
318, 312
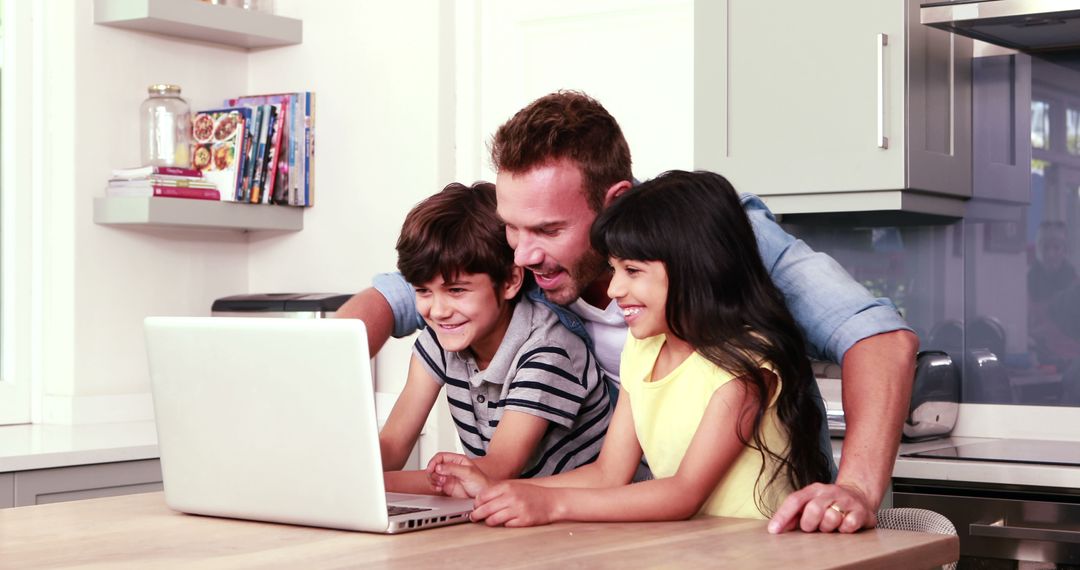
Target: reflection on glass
1072, 131
1040, 124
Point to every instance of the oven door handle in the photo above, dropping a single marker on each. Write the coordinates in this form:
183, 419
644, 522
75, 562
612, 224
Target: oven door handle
1001, 530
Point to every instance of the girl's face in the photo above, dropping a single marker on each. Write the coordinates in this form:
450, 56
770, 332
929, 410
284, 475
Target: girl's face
641, 288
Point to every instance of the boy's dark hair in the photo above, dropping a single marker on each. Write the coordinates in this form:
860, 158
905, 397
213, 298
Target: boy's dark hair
722, 301
565, 125
455, 231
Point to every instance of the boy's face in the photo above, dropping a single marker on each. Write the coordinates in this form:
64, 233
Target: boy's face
467, 311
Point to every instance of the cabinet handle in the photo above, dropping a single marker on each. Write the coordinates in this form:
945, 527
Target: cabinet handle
882, 140
1024, 533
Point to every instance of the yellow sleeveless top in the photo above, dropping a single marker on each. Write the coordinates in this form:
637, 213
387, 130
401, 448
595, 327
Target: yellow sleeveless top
667, 413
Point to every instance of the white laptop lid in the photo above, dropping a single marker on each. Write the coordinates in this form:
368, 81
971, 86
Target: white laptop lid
267, 419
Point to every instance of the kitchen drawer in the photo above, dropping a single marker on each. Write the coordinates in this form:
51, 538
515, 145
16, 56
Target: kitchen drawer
43, 486
1004, 522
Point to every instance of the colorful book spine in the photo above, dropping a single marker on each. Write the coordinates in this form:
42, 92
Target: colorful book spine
142, 172
167, 192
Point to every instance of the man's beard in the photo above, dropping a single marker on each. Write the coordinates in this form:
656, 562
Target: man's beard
590, 267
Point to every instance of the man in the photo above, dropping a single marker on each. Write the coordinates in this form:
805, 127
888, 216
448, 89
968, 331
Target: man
561, 160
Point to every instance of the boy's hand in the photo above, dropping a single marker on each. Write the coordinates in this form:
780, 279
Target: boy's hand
455, 475
515, 504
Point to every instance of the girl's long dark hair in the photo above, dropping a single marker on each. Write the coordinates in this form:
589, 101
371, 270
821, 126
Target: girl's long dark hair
722, 301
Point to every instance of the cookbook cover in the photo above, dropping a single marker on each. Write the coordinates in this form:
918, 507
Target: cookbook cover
219, 147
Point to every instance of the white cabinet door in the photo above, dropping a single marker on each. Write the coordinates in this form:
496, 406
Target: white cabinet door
804, 97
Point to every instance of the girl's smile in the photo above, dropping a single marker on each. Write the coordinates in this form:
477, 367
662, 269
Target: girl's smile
640, 288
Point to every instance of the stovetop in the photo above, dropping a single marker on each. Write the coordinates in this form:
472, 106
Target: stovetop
1010, 451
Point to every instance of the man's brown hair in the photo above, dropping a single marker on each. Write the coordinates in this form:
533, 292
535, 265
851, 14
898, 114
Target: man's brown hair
455, 231
565, 125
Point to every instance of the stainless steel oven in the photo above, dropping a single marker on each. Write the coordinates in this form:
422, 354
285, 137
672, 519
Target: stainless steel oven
1004, 525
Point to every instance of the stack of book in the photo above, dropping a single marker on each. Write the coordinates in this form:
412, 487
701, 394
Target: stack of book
164, 181
259, 149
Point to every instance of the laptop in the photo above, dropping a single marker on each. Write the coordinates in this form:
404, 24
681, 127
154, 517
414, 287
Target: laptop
274, 420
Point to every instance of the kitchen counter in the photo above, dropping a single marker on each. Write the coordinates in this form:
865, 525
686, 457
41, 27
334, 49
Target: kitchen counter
992, 472
45, 446
139, 531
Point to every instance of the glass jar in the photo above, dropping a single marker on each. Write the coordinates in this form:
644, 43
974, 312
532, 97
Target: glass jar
165, 127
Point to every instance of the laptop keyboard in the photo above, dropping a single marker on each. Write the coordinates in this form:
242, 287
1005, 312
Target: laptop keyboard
394, 510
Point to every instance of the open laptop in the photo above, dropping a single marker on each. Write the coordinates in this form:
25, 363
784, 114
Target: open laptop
274, 420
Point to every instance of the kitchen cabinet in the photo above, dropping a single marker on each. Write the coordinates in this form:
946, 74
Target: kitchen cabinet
1001, 109
7, 490
851, 107
41, 486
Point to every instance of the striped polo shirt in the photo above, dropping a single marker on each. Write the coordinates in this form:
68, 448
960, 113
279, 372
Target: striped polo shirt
540, 368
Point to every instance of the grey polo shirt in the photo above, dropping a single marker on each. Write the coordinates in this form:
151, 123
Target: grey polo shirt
540, 368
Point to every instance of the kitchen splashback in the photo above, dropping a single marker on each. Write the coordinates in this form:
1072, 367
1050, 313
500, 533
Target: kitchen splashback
997, 290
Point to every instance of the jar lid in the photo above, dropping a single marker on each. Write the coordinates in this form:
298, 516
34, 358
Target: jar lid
163, 89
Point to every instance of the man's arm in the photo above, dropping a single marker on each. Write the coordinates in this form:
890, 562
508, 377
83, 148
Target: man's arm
843, 323
371, 307
878, 374
877, 378
388, 308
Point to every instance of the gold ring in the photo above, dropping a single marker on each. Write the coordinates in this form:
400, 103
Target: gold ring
842, 512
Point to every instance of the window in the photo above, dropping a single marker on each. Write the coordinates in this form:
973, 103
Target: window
1040, 124
16, 196
1072, 131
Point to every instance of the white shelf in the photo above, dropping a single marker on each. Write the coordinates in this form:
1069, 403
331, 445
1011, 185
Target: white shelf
196, 20
204, 214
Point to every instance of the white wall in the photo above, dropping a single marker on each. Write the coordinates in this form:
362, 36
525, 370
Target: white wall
374, 66
99, 282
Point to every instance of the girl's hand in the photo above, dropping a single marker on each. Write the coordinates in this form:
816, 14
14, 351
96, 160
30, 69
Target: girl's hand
515, 504
455, 475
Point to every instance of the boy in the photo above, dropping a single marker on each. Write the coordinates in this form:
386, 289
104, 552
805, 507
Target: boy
526, 395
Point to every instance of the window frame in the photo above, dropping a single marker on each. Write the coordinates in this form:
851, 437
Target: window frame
20, 201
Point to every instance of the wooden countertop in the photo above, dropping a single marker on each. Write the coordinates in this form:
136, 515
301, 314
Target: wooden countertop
140, 531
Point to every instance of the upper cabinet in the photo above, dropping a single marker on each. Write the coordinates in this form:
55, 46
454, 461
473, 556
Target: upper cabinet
226, 25
857, 107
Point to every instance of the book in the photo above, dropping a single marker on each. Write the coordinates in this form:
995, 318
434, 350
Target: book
261, 144
164, 192
144, 171
219, 148
291, 183
149, 182
165, 180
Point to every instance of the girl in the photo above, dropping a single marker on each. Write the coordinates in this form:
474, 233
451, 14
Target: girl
714, 375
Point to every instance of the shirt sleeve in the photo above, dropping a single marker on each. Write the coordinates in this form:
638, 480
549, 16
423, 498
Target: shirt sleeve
402, 299
431, 355
552, 382
833, 311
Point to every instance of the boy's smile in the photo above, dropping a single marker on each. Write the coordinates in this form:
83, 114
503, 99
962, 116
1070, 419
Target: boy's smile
467, 312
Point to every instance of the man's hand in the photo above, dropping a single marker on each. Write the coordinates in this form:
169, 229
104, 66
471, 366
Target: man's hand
824, 508
455, 475
515, 504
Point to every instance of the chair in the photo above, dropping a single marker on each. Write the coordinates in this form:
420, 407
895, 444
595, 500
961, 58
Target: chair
916, 520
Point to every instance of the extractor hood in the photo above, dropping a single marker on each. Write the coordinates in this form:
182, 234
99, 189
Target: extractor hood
1026, 25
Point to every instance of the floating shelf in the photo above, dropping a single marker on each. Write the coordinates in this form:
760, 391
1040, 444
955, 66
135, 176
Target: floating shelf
204, 214
190, 19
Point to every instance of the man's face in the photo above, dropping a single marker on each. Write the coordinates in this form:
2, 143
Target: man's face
547, 223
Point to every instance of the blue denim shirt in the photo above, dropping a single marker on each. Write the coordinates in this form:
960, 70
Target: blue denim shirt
833, 311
